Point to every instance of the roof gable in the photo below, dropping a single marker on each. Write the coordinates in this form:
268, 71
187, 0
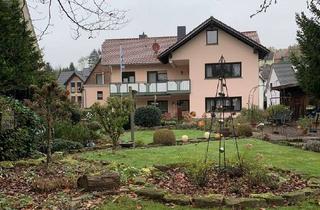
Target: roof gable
246, 37
75, 74
64, 77
90, 70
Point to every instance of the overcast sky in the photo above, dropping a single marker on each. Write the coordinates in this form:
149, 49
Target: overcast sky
276, 28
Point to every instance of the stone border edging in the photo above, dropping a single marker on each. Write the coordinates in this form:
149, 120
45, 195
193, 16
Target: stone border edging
218, 200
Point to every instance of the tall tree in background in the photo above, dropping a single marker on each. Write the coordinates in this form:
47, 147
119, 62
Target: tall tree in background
93, 58
71, 67
48, 67
20, 59
308, 62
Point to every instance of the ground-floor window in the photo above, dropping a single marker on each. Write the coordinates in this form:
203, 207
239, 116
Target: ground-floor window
162, 105
73, 99
233, 104
183, 105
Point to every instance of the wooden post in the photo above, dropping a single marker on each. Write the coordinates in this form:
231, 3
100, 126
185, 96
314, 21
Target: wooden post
132, 116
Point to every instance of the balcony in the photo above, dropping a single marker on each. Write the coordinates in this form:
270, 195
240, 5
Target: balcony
143, 88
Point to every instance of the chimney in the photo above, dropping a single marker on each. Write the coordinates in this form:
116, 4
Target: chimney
181, 32
143, 36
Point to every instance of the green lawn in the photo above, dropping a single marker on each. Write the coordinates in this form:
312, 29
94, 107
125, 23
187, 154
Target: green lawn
298, 160
147, 136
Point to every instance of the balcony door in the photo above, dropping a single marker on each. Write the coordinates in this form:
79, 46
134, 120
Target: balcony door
155, 76
128, 77
152, 76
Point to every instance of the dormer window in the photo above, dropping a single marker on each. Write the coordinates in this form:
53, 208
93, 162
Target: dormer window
99, 79
212, 36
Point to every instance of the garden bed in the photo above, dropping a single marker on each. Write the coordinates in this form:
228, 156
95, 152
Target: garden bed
29, 184
230, 183
229, 187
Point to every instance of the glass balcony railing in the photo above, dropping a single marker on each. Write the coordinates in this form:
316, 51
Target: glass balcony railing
144, 88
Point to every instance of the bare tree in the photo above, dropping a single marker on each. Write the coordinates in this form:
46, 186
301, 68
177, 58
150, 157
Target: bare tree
84, 16
266, 4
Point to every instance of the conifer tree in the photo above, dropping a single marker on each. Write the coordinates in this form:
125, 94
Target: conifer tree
20, 59
308, 62
93, 58
71, 67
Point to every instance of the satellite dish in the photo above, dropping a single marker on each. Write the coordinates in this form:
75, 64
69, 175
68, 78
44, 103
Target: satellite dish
156, 47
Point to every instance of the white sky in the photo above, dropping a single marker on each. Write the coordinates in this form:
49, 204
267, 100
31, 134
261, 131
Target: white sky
276, 28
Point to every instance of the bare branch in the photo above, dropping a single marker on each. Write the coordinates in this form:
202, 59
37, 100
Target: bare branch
264, 6
89, 16
44, 32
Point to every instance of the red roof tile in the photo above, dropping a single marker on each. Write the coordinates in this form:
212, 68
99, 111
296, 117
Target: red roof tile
252, 35
139, 50
135, 50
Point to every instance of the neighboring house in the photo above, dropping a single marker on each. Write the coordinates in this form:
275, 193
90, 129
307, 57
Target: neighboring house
97, 85
261, 89
282, 56
180, 73
273, 96
289, 91
73, 82
268, 60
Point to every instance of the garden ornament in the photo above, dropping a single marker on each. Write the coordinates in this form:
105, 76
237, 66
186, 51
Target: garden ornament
222, 107
184, 138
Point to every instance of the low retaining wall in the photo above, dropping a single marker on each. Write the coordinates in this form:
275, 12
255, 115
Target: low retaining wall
218, 200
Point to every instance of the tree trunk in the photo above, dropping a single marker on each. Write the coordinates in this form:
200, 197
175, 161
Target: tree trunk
49, 140
109, 182
115, 142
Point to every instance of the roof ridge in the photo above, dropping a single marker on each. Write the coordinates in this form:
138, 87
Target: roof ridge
153, 37
249, 31
137, 38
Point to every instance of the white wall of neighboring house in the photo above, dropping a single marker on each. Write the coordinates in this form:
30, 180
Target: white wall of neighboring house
261, 90
273, 96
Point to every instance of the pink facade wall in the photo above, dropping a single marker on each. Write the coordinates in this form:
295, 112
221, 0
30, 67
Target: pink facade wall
233, 50
90, 94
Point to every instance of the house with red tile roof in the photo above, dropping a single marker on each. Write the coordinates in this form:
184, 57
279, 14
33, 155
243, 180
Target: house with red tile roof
179, 73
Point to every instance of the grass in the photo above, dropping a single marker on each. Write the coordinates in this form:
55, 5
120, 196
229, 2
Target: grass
284, 157
147, 136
